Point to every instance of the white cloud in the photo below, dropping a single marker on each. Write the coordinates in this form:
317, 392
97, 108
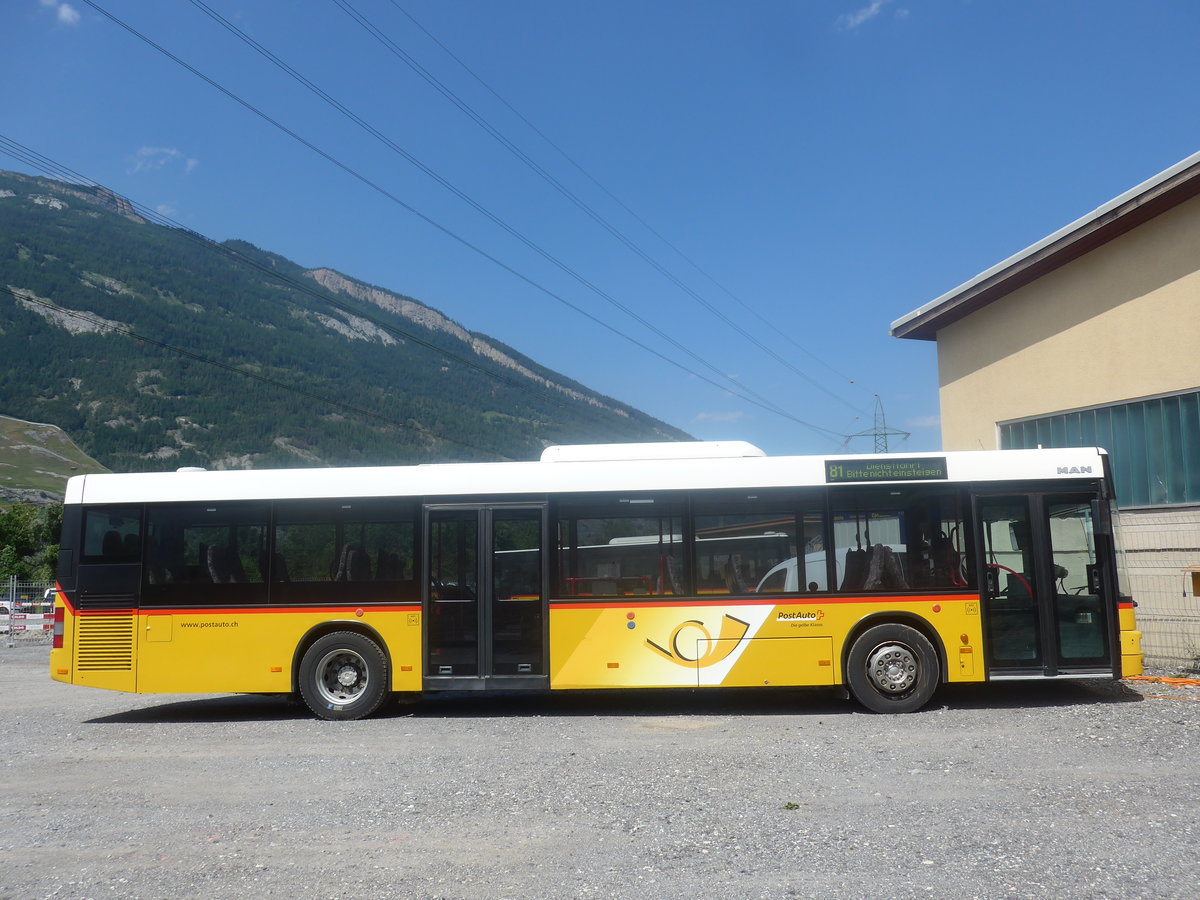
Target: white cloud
147, 159
151, 159
64, 12
720, 417
165, 209
864, 15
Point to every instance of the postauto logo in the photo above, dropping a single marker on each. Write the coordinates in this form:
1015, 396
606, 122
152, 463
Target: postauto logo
804, 615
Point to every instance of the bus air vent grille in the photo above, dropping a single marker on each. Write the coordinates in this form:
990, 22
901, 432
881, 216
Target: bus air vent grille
105, 644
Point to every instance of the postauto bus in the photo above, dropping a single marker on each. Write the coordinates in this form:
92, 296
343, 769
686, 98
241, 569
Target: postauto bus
686, 565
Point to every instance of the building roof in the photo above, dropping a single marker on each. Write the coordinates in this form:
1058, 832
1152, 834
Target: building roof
1116, 217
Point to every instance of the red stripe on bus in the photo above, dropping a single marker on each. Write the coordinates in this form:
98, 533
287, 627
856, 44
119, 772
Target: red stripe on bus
257, 610
266, 610
626, 603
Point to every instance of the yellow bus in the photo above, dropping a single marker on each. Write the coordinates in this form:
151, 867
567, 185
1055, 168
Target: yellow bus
685, 565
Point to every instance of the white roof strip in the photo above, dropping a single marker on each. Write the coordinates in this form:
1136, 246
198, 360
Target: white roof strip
479, 481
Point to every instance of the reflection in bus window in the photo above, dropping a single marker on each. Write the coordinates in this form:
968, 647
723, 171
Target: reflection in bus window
805, 573
734, 552
621, 556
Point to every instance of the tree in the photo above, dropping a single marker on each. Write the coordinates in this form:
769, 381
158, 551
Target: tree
29, 541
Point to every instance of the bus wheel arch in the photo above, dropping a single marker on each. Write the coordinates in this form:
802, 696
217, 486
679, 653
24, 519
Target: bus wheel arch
893, 665
342, 671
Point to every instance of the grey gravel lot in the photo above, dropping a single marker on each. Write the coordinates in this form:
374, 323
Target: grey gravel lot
1063, 790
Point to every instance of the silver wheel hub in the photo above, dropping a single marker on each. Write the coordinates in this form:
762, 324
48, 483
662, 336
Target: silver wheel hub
892, 668
341, 677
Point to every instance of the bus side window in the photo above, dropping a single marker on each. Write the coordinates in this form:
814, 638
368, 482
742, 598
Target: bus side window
900, 539
740, 552
605, 549
761, 542
112, 535
324, 549
190, 547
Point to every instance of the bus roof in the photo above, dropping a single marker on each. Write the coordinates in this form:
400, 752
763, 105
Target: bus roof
642, 475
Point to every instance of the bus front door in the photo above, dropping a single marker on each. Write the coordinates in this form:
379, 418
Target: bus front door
485, 602
1044, 580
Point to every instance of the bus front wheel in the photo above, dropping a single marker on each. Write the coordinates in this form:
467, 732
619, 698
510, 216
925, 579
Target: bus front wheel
892, 669
344, 675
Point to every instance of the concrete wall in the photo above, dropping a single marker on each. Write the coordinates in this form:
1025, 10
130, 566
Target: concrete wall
1119, 323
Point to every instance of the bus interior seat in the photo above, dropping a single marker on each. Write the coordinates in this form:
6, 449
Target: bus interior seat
111, 546
855, 572
353, 565
674, 576
1017, 590
884, 570
224, 567
279, 569
736, 576
387, 566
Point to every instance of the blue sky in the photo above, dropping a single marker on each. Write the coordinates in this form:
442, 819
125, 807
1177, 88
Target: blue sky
825, 167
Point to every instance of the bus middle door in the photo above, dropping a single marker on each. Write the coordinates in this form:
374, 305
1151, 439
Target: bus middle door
485, 603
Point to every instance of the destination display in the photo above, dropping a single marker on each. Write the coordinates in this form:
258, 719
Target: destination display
925, 468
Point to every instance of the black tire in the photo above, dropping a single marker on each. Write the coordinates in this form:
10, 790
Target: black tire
344, 675
892, 669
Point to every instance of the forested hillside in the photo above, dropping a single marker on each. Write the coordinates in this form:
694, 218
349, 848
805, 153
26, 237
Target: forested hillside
154, 349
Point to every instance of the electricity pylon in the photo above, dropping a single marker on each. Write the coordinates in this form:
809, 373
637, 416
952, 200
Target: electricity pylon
879, 430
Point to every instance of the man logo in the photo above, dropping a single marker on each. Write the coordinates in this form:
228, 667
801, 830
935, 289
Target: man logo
1074, 470
693, 646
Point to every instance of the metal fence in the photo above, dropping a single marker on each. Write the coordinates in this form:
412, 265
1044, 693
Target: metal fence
25, 616
1162, 555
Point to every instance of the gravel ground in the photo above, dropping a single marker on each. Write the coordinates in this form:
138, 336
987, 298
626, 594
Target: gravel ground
1064, 790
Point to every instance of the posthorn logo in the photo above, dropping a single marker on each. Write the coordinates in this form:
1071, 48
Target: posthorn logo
691, 644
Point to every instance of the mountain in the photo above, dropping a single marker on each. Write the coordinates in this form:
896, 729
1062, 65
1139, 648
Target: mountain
154, 348
36, 460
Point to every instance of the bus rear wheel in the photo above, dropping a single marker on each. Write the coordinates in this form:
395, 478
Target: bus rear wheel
892, 669
344, 675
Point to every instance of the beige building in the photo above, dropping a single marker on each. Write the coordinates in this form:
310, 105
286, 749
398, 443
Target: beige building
1092, 337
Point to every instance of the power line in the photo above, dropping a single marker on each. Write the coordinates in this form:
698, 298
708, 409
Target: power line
633, 214
582, 205
470, 201
749, 397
